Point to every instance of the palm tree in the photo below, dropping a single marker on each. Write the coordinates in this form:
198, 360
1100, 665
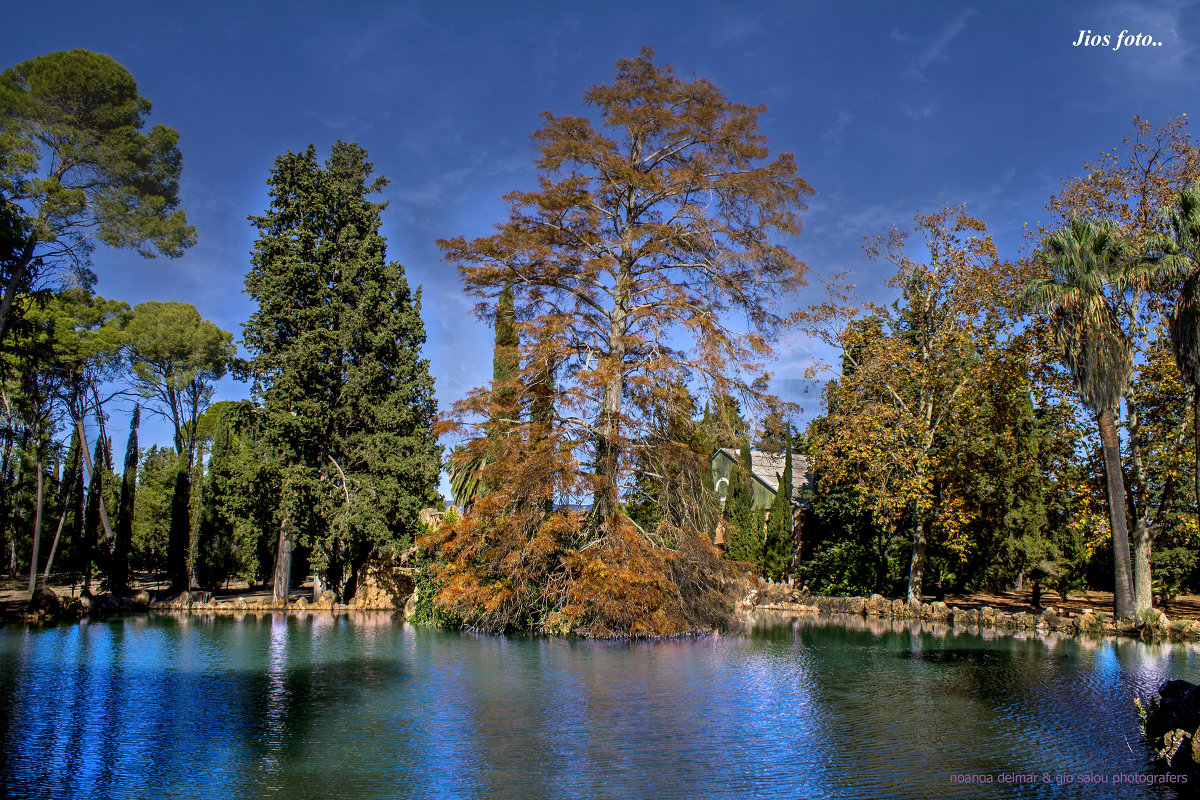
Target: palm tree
1180, 262
1085, 259
466, 476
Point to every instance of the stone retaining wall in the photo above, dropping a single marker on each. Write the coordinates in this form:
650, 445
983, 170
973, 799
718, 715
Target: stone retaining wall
780, 597
381, 590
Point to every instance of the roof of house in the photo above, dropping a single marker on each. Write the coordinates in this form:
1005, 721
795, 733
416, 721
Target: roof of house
768, 468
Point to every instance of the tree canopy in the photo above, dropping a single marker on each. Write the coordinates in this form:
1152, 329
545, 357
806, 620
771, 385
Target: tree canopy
347, 400
75, 162
650, 228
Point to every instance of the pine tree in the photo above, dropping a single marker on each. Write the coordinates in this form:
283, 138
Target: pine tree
347, 401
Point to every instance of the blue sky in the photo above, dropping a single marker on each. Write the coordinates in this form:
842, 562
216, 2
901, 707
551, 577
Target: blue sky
890, 108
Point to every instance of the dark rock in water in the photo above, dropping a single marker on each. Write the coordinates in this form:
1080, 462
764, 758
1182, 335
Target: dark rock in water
75, 608
1171, 722
106, 603
46, 602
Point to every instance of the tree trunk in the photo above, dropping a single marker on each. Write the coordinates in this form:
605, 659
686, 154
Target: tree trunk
1115, 482
1143, 543
62, 519
1196, 444
195, 506
6, 489
1138, 495
283, 564
916, 568
37, 524
608, 445
87, 460
608, 452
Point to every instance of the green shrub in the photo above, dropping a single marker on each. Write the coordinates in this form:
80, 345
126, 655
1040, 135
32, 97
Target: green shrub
839, 569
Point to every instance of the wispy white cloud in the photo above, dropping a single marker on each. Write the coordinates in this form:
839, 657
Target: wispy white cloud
936, 51
737, 30
834, 135
923, 111
1175, 58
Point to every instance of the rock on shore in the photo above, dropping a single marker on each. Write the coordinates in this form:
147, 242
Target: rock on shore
1171, 724
771, 596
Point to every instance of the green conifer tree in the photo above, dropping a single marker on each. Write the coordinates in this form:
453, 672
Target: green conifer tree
347, 400
179, 536
744, 534
90, 551
216, 557
119, 574
777, 554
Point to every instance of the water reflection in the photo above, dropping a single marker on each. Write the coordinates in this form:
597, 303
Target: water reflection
364, 706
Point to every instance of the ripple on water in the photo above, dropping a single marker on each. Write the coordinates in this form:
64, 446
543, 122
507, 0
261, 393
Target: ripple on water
322, 707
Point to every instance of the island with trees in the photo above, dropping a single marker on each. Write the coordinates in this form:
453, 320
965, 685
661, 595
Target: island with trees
1003, 422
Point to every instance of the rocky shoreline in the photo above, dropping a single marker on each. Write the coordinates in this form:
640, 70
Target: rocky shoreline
794, 600
47, 608
1171, 724
384, 587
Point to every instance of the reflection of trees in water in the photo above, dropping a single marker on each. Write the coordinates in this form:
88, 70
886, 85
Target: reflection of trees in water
290, 706
937, 701
89, 718
330, 706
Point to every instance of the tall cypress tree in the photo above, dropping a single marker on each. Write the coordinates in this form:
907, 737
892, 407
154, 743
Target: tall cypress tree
466, 464
179, 536
743, 540
777, 555
347, 400
118, 571
215, 550
88, 549
505, 361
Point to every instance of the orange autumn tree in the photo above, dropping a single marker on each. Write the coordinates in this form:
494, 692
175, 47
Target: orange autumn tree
648, 260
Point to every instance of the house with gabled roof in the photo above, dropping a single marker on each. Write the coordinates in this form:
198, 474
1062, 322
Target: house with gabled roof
766, 470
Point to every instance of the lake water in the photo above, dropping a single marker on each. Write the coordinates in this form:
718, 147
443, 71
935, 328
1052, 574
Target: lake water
368, 707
